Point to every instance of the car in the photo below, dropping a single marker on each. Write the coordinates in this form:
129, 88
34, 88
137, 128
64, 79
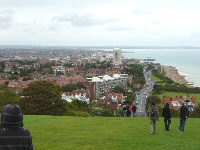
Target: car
145, 93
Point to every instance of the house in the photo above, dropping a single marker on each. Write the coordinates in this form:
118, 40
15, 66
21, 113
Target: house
80, 94
175, 102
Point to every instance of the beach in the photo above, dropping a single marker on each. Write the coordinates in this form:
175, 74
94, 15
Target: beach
172, 72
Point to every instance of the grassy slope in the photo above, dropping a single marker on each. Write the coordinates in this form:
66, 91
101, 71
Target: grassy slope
156, 79
173, 94
98, 133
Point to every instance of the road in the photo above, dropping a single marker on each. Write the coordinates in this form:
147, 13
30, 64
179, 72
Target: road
143, 94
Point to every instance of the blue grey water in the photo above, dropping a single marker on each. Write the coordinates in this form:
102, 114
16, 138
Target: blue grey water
187, 61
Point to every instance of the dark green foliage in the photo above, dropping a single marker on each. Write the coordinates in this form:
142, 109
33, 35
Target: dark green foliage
107, 113
171, 86
137, 71
2, 66
174, 88
103, 112
152, 98
58, 73
130, 98
26, 78
196, 112
119, 89
94, 112
23, 62
13, 77
134, 69
150, 67
78, 105
139, 81
70, 87
120, 112
42, 98
7, 96
77, 108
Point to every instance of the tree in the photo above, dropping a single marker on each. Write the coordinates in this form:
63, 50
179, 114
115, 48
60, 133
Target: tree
119, 89
7, 96
71, 86
152, 98
130, 98
42, 98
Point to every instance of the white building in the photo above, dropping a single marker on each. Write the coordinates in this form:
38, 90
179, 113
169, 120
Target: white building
117, 56
107, 83
79, 96
59, 69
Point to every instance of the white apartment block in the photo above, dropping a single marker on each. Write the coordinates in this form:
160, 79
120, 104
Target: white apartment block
107, 83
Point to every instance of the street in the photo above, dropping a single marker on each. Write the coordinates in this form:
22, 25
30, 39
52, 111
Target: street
143, 94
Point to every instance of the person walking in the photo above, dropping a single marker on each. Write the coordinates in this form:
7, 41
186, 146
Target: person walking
124, 111
134, 108
184, 114
12, 135
167, 116
153, 114
128, 111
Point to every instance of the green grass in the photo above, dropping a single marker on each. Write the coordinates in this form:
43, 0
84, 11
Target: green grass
174, 94
157, 80
111, 133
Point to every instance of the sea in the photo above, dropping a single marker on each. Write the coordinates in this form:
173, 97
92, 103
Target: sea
187, 61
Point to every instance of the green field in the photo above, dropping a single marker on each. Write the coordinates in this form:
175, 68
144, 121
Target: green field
157, 80
174, 94
109, 133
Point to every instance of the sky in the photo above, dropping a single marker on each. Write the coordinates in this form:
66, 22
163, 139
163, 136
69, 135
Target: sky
100, 22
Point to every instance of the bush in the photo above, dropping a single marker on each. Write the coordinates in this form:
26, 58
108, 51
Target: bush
196, 112
107, 113
104, 112
77, 113
94, 112
120, 112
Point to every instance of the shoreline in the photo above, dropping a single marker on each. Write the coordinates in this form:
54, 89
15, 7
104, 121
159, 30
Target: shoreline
172, 73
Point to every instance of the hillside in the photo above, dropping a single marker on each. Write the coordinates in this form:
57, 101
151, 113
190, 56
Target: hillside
113, 133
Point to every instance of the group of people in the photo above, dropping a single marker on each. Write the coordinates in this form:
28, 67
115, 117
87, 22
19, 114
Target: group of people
129, 111
153, 114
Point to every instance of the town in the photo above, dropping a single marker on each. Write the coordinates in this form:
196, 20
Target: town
102, 80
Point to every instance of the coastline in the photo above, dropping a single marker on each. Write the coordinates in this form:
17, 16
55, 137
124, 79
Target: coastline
172, 73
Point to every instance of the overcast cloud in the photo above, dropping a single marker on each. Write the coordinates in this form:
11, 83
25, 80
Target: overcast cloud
6, 18
100, 22
85, 20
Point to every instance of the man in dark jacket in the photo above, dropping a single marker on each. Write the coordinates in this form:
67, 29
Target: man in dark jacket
134, 108
12, 135
167, 116
184, 114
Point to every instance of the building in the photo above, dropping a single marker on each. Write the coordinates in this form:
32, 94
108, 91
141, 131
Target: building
99, 85
175, 102
117, 57
81, 95
60, 69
